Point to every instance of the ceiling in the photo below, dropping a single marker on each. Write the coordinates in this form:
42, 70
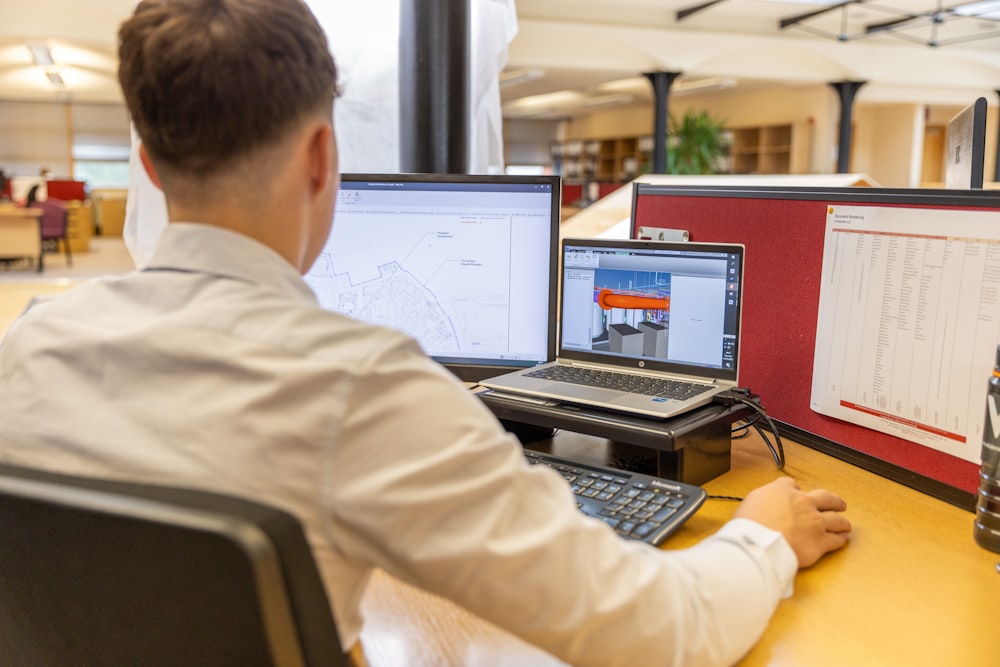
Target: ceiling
914, 21
81, 37
590, 53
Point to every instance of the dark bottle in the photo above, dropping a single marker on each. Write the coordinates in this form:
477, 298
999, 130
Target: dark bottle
987, 526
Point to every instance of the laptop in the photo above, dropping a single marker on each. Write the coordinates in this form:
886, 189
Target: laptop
643, 311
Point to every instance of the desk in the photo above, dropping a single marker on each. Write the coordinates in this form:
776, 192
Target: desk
912, 588
20, 232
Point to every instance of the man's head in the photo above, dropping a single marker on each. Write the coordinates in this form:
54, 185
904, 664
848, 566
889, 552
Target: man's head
224, 95
208, 81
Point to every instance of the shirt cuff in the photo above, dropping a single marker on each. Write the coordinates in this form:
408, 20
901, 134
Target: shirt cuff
766, 546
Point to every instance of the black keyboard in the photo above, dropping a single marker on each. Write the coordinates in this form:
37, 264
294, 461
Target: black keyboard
635, 384
639, 507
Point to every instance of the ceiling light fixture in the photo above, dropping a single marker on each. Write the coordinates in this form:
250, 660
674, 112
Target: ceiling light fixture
555, 99
41, 55
606, 101
632, 84
987, 9
55, 78
524, 75
639, 85
707, 83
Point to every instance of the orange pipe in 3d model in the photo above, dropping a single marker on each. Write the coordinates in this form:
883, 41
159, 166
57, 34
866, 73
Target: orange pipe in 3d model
608, 299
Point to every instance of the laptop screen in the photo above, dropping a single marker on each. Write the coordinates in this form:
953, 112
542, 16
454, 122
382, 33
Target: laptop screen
464, 264
661, 306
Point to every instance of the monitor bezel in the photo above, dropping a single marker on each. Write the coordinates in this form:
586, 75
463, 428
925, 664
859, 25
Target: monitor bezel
474, 369
965, 147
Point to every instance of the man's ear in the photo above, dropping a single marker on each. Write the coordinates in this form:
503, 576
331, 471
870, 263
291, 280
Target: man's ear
148, 166
321, 158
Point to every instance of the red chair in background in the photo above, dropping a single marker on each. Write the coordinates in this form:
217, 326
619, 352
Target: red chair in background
65, 189
54, 224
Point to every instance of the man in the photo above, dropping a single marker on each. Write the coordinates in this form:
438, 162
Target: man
213, 367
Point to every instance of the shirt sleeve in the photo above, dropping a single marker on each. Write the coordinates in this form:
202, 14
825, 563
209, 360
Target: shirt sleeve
429, 487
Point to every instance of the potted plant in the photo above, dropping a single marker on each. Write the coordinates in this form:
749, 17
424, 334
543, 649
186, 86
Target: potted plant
697, 144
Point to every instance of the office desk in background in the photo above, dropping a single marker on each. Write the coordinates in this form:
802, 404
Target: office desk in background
20, 232
17, 239
912, 588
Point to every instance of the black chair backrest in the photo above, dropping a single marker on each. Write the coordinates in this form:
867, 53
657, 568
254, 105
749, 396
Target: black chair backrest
97, 572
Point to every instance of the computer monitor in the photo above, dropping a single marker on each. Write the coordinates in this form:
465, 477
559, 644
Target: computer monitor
465, 264
965, 139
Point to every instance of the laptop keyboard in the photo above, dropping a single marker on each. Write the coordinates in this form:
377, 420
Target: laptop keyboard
635, 384
639, 507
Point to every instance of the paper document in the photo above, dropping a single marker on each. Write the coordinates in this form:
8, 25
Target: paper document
909, 321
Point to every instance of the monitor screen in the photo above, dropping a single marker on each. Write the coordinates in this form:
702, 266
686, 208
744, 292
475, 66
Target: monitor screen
673, 306
465, 264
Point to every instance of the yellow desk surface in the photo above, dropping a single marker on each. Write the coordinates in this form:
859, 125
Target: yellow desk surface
912, 588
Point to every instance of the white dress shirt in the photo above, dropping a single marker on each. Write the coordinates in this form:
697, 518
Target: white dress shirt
215, 368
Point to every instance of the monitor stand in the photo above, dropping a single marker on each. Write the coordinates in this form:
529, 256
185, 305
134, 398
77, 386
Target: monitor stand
693, 448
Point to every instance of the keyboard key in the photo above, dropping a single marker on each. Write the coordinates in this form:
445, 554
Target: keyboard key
626, 527
644, 529
664, 514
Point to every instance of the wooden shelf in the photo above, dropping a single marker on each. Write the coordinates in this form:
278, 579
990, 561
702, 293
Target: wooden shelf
762, 150
612, 160
766, 149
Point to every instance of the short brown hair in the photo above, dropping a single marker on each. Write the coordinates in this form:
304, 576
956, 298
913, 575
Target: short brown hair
208, 81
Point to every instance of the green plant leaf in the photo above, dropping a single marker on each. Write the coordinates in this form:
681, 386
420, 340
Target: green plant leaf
697, 143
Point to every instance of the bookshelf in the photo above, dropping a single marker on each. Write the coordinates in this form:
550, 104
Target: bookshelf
766, 149
615, 160
759, 149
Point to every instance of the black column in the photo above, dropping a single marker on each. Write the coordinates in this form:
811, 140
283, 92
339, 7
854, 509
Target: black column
434, 86
661, 93
846, 90
996, 163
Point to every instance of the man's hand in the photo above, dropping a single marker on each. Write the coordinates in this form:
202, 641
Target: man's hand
810, 521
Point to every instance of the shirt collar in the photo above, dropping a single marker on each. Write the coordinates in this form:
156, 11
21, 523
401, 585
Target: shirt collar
200, 248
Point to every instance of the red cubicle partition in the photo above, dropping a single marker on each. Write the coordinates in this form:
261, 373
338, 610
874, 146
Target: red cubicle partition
66, 190
783, 231
571, 193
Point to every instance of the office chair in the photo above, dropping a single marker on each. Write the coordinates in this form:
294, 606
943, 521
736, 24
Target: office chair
96, 572
55, 228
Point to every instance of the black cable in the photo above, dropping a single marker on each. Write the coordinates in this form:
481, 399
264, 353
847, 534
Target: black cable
742, 396
742, 428
777, 450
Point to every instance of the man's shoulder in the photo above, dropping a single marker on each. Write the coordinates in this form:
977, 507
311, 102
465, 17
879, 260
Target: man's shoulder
321, 331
